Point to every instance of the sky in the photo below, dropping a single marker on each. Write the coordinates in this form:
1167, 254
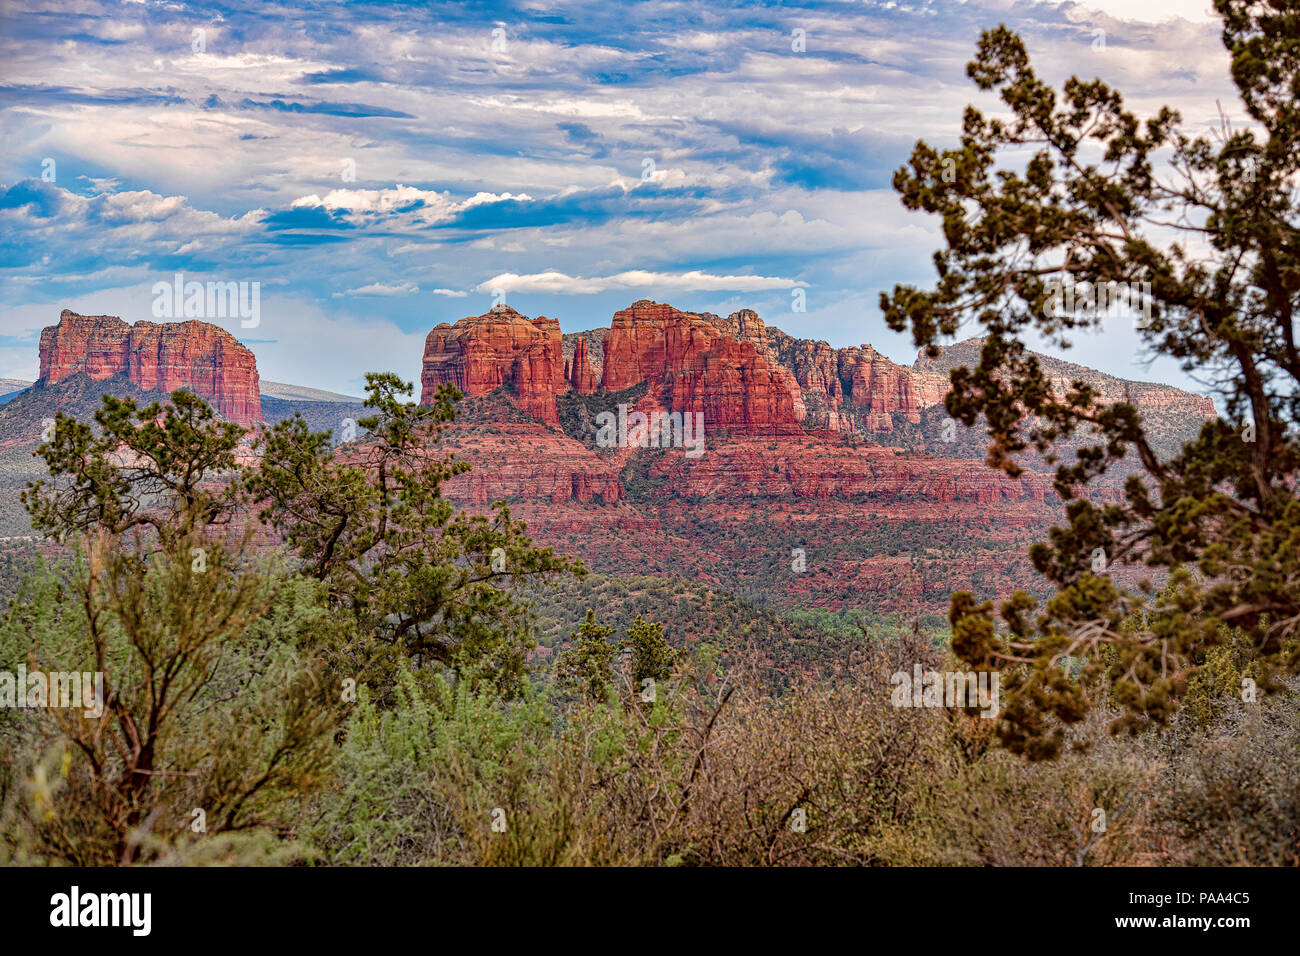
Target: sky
380, 168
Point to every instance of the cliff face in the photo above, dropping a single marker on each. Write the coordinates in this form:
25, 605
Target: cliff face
735, 387
196, 356
857, 389
701, 367
746, 377
878, 387
849, 389
638, 349
579, 373
480, 354
691, 365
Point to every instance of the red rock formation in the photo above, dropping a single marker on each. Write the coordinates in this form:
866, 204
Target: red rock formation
747, 326
193, 355
809, 488
857, 388
581, 376
747, 378
822, 379
879, 387
825, 468
937, 523
816, 367
690, 363
701, 368
737, 389
523, 461
595, 347
637, 347
480, 354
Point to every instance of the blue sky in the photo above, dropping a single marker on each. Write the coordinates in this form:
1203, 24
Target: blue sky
381, 168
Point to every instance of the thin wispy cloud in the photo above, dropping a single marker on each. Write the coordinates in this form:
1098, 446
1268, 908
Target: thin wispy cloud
557, 283
381, 289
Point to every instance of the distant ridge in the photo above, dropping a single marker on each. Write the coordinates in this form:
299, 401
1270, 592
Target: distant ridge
11, 388
303, 393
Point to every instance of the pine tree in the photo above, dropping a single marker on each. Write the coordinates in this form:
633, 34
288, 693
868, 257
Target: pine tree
585, 669
1072, 189
652, 657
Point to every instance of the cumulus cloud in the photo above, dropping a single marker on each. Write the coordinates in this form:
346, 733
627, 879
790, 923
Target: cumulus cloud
418, 206
51, 231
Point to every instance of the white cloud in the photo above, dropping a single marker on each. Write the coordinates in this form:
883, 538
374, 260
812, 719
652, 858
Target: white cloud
1151, 11
451, 293
421, 206
381, 289
694, 281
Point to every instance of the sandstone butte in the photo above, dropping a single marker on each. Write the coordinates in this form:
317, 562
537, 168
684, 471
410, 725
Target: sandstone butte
698, 367
775, 407
481, 354
747, 378
196, 356
692, 363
